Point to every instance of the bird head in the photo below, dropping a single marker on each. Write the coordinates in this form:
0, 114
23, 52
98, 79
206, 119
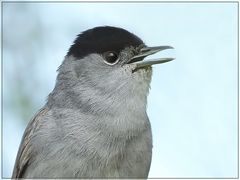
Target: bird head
108, 63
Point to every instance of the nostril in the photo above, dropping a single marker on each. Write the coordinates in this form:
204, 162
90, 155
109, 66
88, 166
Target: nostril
145, 49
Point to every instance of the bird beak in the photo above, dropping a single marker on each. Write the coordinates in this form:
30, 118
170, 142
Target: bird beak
146, 51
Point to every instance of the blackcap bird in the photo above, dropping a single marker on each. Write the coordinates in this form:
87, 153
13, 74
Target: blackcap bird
94, 124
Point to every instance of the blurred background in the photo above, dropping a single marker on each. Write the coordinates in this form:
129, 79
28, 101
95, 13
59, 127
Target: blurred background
192, 104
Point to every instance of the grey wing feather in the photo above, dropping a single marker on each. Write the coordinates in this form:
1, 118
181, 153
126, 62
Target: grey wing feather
25, 150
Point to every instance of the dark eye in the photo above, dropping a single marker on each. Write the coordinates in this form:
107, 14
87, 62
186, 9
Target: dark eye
110, 57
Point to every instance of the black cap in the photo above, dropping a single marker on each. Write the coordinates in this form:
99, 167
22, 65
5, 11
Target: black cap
103, 39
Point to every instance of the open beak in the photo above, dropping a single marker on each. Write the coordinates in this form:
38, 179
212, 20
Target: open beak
146, 51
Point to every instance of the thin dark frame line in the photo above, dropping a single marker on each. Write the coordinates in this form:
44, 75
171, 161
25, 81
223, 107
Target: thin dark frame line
238, 88
151, 1
2, 2
133, 178
2, 88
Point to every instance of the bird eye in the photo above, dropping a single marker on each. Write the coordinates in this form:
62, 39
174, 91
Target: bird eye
110, 57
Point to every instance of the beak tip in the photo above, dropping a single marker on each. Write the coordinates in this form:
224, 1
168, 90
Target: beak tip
170, 47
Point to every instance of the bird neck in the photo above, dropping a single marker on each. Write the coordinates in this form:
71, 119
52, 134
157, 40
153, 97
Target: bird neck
94, 101
116, 111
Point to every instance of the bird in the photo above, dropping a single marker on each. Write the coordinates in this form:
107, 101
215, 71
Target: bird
94, 123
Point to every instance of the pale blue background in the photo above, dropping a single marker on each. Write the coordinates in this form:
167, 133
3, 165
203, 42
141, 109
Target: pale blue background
193, 100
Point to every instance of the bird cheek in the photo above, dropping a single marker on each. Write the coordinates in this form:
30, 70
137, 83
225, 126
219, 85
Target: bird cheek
129, 68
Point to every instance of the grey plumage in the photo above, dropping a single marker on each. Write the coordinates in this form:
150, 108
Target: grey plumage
94, 124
